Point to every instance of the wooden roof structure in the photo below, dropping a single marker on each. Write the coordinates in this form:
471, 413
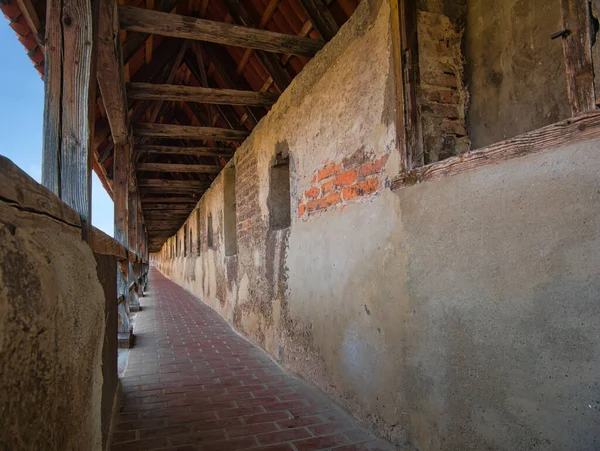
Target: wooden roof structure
196, 77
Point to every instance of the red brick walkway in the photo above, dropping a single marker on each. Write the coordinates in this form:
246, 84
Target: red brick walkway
192, 383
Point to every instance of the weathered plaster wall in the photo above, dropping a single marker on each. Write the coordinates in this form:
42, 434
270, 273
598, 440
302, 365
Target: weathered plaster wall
51, 335
459, 314
514, 71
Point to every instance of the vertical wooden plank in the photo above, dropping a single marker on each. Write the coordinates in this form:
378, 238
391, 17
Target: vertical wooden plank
121, 190
577, 49
80, 27
52, 98
69, 103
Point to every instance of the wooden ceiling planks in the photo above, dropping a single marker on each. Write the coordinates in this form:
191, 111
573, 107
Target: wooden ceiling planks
209, 93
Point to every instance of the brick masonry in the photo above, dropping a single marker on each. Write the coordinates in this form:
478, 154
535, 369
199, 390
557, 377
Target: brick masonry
333, 185
442, 96
193, 384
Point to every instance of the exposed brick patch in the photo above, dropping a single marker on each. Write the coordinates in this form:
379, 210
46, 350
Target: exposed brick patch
358, 175
232, 395
442, 96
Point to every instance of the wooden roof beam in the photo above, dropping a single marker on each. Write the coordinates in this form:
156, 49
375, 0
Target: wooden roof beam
188, 132
179, 93
172, 167
182, 184
185, 27
196, 151
170, 200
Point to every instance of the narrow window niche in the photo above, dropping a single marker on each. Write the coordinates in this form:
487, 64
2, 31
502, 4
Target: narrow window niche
198, 241
209, 231
229, 212
279, 193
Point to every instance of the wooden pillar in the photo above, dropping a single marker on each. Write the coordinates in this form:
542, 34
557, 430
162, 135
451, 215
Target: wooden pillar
69, 100
132, 200
120, 196
121, 192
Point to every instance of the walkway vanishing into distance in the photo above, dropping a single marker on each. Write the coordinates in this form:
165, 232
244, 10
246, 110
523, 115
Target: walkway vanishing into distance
192, 383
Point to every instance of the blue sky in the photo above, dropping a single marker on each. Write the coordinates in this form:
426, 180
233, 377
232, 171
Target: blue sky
21, 120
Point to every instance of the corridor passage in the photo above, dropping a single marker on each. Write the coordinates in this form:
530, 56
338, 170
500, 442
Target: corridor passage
192, 383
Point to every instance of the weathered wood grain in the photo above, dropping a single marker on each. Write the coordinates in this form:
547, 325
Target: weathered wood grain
185, 27
173, 167
103, 244
19, 189
182, 184
170, 200
188, 132
199, 151
71, 29
577, 49
179, 93
570, 131
110, 71
121, 163
169, 206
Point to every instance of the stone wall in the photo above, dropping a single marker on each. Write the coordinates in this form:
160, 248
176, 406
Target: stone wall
456, 314
51, 323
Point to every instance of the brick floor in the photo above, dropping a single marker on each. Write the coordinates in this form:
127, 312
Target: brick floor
192, 383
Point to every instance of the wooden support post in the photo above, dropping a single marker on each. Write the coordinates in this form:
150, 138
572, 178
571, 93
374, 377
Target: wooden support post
69, 101
132, 201
577, 49
121, 173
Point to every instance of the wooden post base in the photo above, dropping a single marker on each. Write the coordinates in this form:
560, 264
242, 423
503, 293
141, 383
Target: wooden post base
125, 339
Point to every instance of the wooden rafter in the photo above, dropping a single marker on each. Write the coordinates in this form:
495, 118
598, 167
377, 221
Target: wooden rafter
185, 27
269, 61
321, 18
170, 78
264, 20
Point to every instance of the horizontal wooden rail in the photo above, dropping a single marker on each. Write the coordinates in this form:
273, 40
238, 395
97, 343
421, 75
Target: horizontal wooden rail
178, 93
103, 244
569, 131
185, 27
